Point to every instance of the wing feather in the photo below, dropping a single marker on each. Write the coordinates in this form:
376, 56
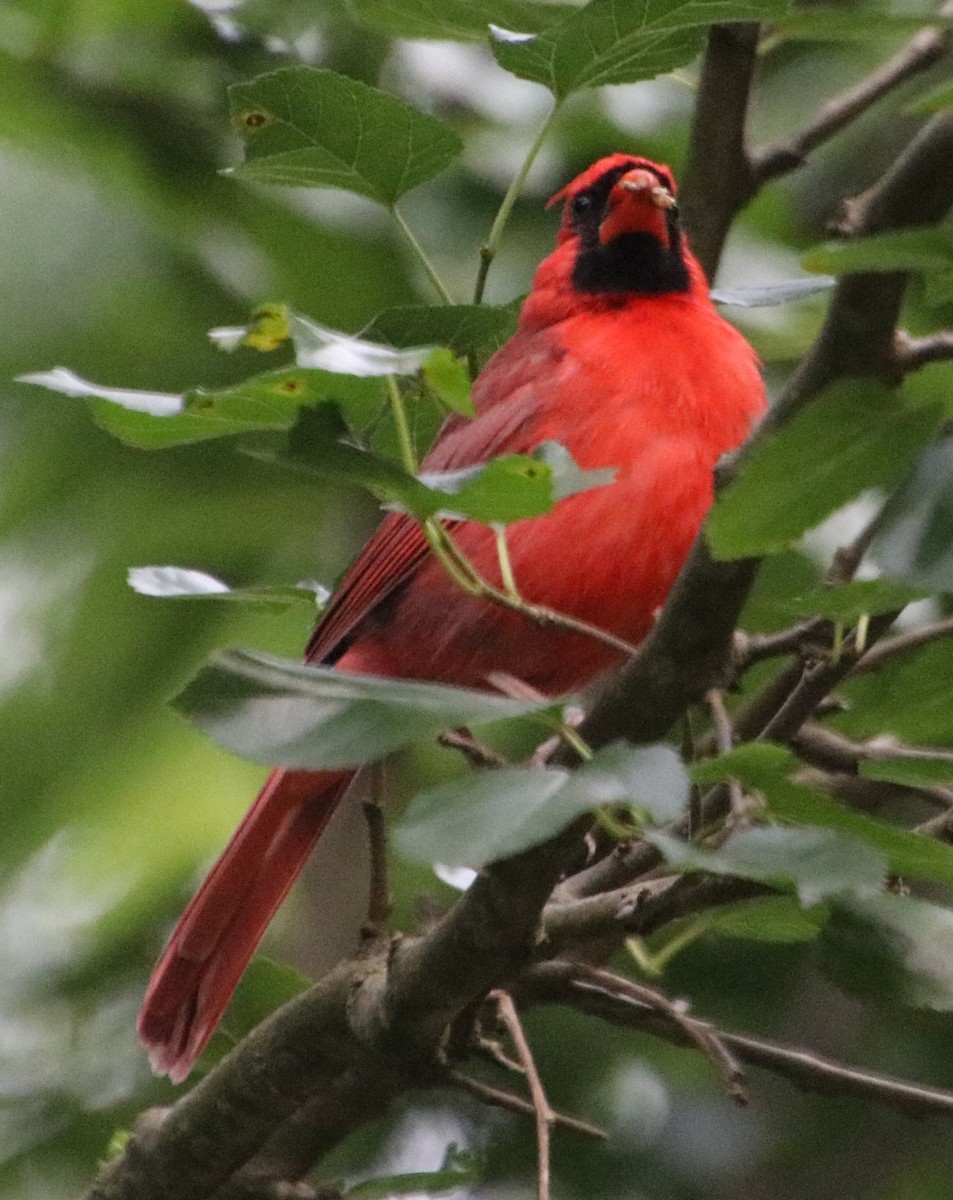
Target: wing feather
505, 397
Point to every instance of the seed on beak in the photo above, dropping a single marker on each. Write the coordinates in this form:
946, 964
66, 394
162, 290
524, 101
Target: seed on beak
641, 181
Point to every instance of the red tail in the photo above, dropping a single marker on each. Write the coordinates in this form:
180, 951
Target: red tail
218, 932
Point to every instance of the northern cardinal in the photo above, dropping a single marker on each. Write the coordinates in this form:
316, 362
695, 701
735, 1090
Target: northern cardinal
621, 357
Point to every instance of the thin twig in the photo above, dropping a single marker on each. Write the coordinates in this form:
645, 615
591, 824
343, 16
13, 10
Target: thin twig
725, 740
703, 1036
489, 248
513, 1103
478, 754
379, 903
903, 643
556, 983
751, 648
860, 792
921, 52
490, 1048
419, 253
544, 1114
913, 353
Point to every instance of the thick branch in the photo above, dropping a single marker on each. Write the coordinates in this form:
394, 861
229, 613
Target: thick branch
718, 181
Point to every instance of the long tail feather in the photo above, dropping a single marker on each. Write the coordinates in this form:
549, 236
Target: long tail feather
217, 934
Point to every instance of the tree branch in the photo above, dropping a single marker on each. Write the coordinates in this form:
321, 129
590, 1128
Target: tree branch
921, 52
341, 1051
600, 994
718, 182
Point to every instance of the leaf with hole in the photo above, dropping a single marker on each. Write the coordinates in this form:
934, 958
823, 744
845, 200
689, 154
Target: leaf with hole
314, 128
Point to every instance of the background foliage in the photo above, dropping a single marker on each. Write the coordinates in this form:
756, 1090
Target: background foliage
122, 244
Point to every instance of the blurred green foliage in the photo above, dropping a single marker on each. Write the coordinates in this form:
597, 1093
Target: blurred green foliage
122, 244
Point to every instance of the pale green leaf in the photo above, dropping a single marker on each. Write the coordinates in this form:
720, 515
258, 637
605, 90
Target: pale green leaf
292, 714
489, 815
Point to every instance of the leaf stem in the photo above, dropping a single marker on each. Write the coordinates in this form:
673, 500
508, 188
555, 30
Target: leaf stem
465, 575
490, 246
421, 256
506, 566
407, 453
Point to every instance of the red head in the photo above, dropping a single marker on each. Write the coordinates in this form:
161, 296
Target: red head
622, 216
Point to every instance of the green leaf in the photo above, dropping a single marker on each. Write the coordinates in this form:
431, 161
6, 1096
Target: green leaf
858, 434
448, 378
928, 249
618, 41
915, 540
286, 713
767, 768
489, 815
911, 697
515, 486
157, 420
936, 99
849, 601
313, 128
913, 855
816, 863
512, 488
892, 948
459, 1169
182, 583
464, 328
770, 919
453, 20
817, 24
911, 772
938, 289
771, 294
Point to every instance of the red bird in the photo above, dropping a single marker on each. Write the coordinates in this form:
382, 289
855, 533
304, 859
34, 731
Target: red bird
619, 355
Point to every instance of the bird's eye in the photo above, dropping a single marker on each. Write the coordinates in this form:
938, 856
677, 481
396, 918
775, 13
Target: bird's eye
581, 204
